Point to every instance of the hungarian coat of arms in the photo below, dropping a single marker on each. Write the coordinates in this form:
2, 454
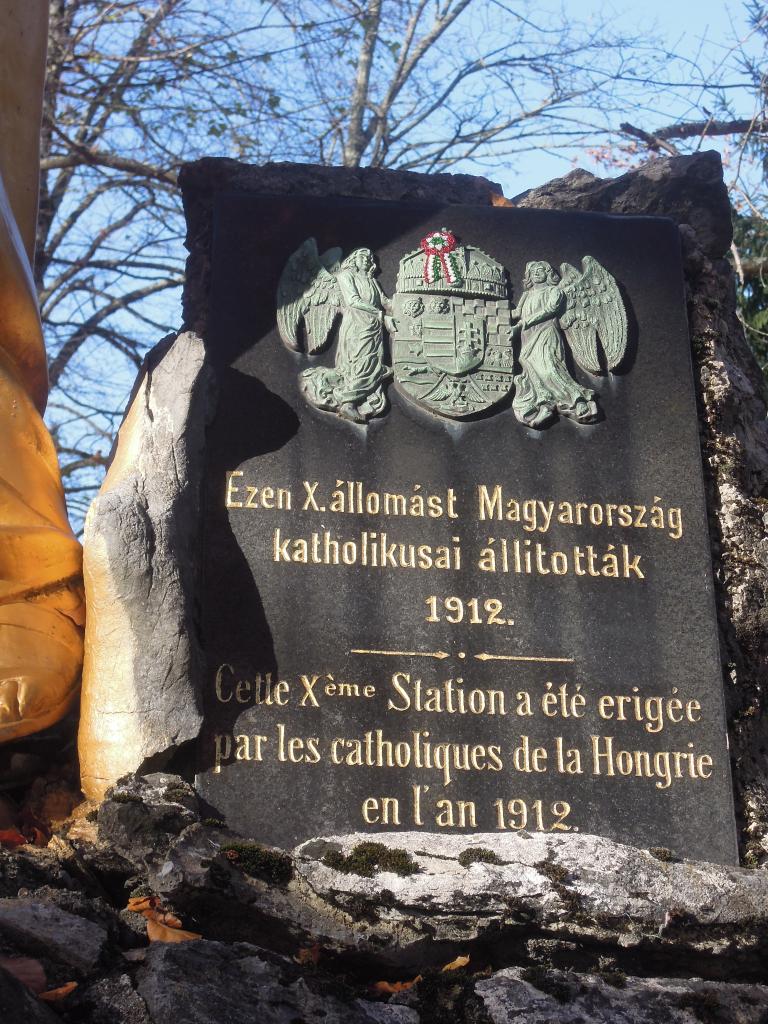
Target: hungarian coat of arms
459, 346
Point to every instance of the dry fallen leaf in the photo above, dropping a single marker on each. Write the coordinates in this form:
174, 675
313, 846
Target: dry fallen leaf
157, 932
457, 964
139, 904
55, 994
164, 917
390, 987
28, 971
159, 921
308, 956
11, 838
39, 838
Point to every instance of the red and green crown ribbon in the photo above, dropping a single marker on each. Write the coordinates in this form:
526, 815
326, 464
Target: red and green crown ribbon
440, 263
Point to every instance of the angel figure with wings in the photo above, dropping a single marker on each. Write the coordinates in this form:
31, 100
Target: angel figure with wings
554, 307
317, 288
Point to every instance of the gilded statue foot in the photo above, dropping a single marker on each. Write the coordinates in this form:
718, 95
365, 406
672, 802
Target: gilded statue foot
39, 667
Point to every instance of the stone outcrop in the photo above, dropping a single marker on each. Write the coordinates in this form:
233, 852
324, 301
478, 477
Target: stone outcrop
559, 997
533, 927
207, 982
140, 699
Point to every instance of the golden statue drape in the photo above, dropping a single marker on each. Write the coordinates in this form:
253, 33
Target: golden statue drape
41, 601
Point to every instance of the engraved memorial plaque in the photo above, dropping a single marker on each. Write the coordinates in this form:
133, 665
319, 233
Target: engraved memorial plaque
457, 566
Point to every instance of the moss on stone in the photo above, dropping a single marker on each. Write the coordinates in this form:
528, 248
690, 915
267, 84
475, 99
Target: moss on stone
176, 794
92, 815
753, 854
477, 855
126, 798
571, 900
544, 981
141, 890
661, 853
617, 979
368, 858
260, 862
704, 1005
554, 872
212, 822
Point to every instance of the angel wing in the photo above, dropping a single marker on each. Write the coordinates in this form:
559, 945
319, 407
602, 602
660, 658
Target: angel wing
308, 291
593, 308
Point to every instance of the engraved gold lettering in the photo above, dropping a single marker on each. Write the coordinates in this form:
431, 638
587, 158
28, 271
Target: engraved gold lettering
369, 809
456, 814
529, 759
232, 489
309, 686
309, 500
664, 766
383, 810
222, 751
417, 790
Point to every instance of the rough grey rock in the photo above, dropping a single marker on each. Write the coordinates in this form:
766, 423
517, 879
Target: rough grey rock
576, 893
33, 926
560, 997
19, 1006
81, 904
208, 983
142, 813
687, 189
111, 1000
30, 868
141, 697
584, 889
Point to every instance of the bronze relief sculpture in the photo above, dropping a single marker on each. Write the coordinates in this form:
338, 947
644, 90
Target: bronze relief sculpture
315, 289
554, 307
458, 346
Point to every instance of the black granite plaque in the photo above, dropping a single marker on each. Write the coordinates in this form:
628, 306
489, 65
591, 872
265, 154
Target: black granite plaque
458, 622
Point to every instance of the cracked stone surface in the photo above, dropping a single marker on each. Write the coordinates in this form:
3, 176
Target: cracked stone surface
34, 926
207, 983
549, 928
559, 997
141, 810
580, 889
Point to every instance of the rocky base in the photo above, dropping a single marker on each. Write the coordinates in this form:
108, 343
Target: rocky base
393, 928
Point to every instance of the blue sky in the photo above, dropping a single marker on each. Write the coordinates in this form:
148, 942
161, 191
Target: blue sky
685, 26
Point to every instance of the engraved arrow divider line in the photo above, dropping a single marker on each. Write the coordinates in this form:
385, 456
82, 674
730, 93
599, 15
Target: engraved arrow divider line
405, 654
520, 657
440, 655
